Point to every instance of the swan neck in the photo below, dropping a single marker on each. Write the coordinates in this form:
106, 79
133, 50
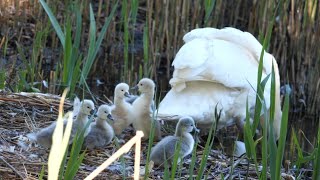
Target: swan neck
101, 122
118, 101
148, 96
180, 133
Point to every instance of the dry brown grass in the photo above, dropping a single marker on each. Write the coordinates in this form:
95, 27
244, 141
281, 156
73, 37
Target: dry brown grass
294, 39
294, 43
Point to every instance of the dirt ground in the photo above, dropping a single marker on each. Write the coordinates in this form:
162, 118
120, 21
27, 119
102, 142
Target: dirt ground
22, 113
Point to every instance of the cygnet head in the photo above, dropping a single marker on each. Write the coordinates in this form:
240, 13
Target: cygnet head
104, 112
146, 85
87, 107
185, 125
122, 90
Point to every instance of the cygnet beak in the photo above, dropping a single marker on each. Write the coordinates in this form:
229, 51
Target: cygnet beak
92, 112
126, 94
196, 130
110, 117
136, 87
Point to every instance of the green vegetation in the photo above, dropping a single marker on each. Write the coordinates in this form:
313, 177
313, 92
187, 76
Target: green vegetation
83, 43
71, 72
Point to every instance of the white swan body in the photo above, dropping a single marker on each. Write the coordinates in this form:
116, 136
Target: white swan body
218, 67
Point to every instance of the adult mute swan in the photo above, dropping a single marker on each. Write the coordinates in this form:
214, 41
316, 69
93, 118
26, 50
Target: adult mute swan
218, 67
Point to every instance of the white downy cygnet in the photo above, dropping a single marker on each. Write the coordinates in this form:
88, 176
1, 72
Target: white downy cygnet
142, 109
101, 132
131, 98
166, 148
121, 110
83, 110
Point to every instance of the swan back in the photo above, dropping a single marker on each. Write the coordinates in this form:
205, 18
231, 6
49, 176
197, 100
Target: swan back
219, 67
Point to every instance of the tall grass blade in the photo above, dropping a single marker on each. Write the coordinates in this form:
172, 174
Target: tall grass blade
62, 166
193, 159
283, 135
77, 39
24, 58
150, 144
271, 137
126, 37
60, 141
105, 28
134, 11
249, 141
2, 78
54, 22
145, 50
166, 174
41, 175
300, 156
67, 61
176, 158
75, 156
93, 44
265, 44
92, 41
209, 143
316, 163
209, 6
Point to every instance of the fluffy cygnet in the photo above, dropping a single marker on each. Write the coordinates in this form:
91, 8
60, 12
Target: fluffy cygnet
131, 98
101, 132
121, 110
142, 109
166, 148
44, 136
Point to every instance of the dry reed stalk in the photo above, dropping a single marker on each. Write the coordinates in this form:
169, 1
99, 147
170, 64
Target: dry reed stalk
294, 39
124, 149
60, 141
137, 157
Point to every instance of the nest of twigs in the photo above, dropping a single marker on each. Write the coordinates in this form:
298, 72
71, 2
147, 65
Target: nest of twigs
22, 113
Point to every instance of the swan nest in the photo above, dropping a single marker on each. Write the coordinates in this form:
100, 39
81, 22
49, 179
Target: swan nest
22, 113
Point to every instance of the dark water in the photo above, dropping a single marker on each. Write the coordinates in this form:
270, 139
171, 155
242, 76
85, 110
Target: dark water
306, 129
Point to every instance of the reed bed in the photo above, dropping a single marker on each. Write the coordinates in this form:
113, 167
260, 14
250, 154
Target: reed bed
106, 42
144, 36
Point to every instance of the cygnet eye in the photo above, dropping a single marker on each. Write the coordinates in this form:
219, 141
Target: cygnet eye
106, 112
141, 84
88, 107
121, 89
